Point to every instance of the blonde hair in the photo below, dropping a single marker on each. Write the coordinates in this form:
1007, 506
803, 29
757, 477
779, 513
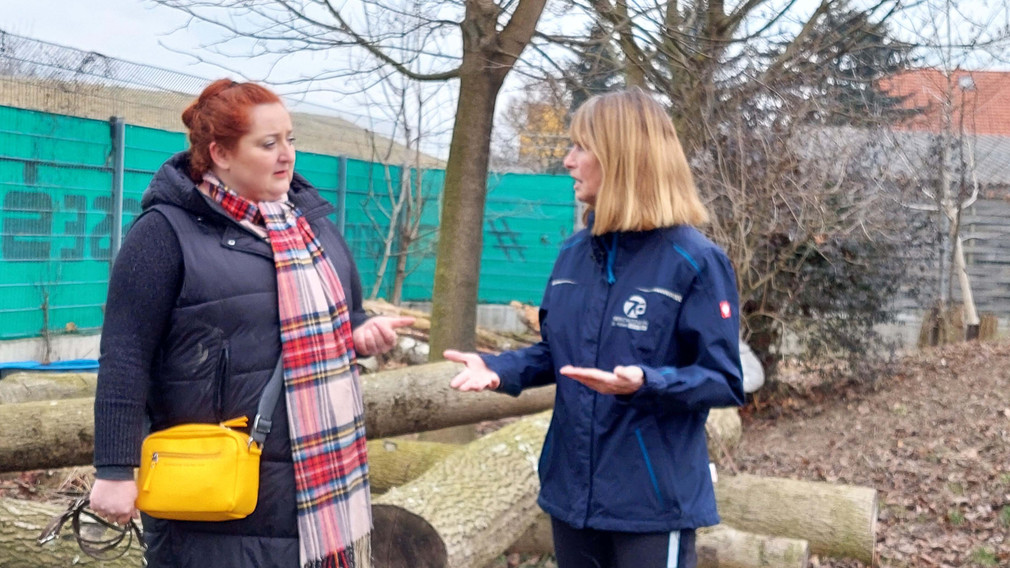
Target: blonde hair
646, 182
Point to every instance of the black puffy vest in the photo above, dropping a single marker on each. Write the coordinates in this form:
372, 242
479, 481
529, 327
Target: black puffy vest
217, 355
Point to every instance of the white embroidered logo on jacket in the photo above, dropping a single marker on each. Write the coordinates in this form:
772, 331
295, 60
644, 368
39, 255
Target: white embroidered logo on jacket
634, 309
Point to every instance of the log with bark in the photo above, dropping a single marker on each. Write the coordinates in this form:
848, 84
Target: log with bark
486, 340
21, 522
40, 435
720, 546
465, 510
430, 519
418, 399
838, 520
394, 462
724, 430
33, 386
723, 546
51, 433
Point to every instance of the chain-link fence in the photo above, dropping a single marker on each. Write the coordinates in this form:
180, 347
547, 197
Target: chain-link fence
71, 181
43, 76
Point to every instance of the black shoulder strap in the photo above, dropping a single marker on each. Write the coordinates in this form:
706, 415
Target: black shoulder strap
268, 401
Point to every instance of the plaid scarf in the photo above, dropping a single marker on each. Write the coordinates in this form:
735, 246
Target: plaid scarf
322, 391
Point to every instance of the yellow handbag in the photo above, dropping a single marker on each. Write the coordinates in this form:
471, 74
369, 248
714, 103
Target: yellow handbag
206, 472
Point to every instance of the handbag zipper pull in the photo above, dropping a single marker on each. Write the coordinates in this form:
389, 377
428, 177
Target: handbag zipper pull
150, 471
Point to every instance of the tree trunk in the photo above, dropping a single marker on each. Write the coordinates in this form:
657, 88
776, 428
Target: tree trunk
474, 503
720, 546
488, 56
32, 386
461, 225
967, 298
838, 520
21, 522
411, 399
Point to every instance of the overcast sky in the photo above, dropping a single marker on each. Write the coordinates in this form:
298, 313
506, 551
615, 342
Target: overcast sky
141, 31
124, 29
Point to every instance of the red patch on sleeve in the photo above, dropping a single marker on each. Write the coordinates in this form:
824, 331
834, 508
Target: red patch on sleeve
724, 310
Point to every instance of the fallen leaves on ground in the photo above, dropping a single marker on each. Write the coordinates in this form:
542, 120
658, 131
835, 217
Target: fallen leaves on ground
934, 440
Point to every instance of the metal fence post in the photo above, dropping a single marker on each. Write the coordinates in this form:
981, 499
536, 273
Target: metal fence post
118, 125
342, 193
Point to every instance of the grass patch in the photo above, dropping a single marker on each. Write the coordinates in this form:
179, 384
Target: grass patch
1004, 516
984, 557
955, 517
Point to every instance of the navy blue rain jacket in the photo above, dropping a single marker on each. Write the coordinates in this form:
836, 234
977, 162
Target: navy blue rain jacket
666, 301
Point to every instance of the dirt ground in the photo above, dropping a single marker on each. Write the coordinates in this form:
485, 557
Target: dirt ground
934, 440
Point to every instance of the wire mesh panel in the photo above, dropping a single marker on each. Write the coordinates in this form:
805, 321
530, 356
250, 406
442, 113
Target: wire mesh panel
57, 218
373, 192
526, 219
55, 221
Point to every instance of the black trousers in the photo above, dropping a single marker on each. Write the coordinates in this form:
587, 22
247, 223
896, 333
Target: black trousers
590, 548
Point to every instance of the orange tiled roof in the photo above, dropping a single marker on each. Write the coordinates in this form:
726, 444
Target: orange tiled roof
980, 99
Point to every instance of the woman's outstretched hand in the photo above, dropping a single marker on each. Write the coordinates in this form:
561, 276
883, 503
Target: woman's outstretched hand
476, 376
622, 380
378, 334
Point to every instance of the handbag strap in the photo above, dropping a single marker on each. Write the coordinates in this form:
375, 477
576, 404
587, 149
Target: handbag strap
268, 401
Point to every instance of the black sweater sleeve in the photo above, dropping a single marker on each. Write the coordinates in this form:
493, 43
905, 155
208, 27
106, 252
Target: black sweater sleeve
143, 288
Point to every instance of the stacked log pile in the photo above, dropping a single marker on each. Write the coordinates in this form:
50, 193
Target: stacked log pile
462, 506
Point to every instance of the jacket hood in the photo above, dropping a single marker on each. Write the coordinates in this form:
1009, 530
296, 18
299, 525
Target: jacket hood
172, 185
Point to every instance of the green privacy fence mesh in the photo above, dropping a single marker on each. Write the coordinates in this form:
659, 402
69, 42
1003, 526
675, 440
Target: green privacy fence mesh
57, 212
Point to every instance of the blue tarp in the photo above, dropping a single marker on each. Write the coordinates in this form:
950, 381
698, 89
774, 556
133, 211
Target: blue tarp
70, 365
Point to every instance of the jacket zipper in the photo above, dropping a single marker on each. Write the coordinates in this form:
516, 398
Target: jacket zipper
609, 269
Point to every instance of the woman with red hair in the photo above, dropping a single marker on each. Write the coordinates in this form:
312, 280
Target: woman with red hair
233, 265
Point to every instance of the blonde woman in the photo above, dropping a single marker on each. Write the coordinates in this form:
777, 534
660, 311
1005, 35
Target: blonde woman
639, 328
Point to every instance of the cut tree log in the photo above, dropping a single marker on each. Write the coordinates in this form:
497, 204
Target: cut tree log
38, 435
720, 546
465, 510
488, 341
33, 386
395, 462
724, 430
21, 522
44, 434
418, 399
837, 520
723, 546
